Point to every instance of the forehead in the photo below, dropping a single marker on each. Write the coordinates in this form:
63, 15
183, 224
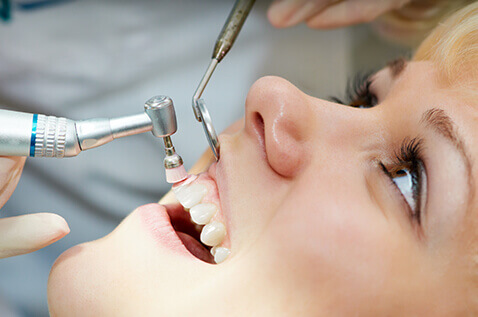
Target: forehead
419, 88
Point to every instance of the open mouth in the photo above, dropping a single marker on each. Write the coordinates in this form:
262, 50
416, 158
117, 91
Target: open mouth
198, 220
194, 224
189, 233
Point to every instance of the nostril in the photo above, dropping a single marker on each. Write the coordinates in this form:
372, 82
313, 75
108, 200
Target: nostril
258, 122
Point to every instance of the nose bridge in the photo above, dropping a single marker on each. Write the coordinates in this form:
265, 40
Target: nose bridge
296, 127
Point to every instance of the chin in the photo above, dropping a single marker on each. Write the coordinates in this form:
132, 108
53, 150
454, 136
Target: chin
67, 284
94, 278
144, 260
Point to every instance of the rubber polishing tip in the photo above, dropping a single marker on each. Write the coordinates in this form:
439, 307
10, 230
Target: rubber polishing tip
175, 175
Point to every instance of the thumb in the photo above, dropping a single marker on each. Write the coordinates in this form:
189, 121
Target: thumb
28, 233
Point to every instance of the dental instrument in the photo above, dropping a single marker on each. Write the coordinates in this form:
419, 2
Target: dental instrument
224, 42
37, 135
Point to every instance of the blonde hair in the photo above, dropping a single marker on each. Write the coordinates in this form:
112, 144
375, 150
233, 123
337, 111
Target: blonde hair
410, 24
453, 47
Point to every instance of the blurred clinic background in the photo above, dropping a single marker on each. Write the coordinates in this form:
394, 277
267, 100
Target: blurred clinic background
104, 58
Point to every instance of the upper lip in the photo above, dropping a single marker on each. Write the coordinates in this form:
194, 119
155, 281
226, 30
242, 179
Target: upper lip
211, 172
221, 186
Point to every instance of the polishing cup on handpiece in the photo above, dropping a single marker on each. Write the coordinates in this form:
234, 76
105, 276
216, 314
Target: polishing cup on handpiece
176, 175
173, 163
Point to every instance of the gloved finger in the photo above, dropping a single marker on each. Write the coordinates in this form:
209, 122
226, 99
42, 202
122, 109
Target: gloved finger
285, 13
28, 233
353, 12
10, 171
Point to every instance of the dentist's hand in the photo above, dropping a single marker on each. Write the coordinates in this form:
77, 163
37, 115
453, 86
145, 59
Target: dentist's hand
326, 14
26, 233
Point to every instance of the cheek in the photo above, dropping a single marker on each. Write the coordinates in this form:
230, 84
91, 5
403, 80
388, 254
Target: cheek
334, 242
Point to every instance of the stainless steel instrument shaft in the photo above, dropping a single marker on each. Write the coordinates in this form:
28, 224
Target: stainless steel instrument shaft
223, 45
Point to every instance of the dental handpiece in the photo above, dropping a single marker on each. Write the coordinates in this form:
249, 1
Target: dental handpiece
223, 44
37, 135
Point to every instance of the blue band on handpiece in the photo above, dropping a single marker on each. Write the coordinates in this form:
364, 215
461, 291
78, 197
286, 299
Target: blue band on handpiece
34, 135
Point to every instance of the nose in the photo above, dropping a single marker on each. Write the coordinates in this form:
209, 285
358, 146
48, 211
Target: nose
280, 116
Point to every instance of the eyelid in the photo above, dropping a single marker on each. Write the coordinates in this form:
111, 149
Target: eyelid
403, 162
381, 85
389, 177
358, 93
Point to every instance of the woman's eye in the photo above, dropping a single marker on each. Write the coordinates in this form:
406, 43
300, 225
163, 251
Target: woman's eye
410, 180
407, 174
406, 182
358, 93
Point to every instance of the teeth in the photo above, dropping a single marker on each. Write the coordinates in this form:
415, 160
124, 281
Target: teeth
220, 254
202, 213
190, 195
213, 233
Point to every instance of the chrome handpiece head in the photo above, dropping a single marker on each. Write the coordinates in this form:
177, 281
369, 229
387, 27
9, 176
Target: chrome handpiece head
161, 111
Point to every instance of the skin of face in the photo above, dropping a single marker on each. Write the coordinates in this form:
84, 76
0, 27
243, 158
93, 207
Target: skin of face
316, 228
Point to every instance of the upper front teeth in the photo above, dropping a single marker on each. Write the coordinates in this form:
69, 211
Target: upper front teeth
190, 195
214, 232
202, 213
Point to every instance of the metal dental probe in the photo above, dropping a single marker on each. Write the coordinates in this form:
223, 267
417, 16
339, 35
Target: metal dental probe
37, 135
224, 42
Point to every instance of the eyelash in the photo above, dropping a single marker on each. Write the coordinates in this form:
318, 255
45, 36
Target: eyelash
358, 93
408, 157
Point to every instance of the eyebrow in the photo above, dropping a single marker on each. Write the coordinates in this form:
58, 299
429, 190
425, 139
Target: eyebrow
397, 66
438, 120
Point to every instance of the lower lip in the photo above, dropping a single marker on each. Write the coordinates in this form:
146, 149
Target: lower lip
157, 222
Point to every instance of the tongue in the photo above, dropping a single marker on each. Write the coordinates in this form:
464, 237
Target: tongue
195, 247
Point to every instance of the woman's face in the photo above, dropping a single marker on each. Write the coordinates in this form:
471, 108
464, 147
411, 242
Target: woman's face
329, 210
